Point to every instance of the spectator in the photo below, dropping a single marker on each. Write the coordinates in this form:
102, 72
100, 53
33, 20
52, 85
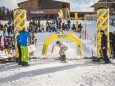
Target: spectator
5, 42
42, 28
73, 27
80, 27
104, 47
113, 41
19, 51
23, 42
68, 23
4, 30
111, 44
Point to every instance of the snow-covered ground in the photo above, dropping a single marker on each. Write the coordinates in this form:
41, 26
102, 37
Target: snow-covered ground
48, 71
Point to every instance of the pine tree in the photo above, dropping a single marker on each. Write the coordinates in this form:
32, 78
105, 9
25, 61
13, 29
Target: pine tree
5, 13
0, 13
8, 14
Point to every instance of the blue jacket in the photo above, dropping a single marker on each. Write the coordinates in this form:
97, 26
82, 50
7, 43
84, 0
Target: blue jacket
22, 38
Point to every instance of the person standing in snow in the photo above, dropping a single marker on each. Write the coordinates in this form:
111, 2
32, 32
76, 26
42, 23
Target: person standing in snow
104, 46
18, 60
63, 48
32, 45
4, 30
69, 23
80, 27
42, 28
23, 38
113, 44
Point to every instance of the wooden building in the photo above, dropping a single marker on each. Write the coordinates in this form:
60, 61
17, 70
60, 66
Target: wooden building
105, 3
44, 8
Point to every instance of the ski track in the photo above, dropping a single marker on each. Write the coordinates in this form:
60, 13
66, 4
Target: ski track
47, 71
74, 73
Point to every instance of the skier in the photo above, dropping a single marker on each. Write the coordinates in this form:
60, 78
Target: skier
104, 47
63, 48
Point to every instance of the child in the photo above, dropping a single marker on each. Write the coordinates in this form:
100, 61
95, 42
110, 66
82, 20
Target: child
1, 47
42, 28
32, 46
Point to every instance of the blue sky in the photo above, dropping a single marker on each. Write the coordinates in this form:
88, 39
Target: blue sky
76, 5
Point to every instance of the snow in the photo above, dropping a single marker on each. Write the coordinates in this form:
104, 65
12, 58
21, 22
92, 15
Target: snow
48, 71
73, 73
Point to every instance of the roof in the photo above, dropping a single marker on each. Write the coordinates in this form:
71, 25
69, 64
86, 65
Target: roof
83, 12
50, 0
23, 2
61, 1
103, 2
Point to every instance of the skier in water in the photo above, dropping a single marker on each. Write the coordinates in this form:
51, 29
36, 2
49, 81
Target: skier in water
63, 48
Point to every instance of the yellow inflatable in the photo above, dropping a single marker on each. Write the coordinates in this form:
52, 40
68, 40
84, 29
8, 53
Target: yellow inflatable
102, 24
62, 37
68, 12
76, 18
19, 18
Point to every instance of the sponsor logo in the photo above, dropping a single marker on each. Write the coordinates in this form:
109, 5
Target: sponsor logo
17, 22
17, 13
106, 29
101, 12
98, 38
23, 14
105, 23
44, 49
106, 15
98, 47
16, 30
22, 23
98, 30
99, 22
62, 36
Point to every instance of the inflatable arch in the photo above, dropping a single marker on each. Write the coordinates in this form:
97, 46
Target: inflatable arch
62, 37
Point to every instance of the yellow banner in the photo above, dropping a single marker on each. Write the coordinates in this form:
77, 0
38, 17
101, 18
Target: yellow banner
19, 16
19, 19
85, 23
61, 12
76, 18
68, 12
102, 24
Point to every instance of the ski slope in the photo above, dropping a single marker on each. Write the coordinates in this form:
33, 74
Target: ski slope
48, 71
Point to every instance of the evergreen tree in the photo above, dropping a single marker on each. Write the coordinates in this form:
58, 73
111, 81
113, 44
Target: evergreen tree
5, 13
8, 14
0, 13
